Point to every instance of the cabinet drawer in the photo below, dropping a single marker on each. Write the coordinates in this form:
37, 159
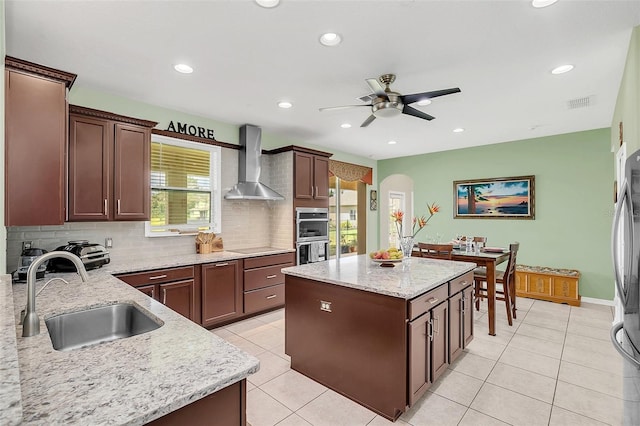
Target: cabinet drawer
458, 284
159, 276
274, 259
263, 277
428, 301
265, 298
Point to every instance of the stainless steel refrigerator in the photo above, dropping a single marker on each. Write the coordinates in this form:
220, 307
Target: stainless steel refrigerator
625, 335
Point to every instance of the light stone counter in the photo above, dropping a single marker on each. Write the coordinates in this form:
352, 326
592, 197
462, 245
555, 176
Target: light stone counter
408, 279
127, 381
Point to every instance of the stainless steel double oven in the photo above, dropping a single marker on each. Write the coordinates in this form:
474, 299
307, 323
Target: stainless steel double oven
312, 235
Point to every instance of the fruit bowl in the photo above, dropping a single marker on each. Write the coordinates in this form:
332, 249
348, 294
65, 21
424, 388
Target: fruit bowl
390, 255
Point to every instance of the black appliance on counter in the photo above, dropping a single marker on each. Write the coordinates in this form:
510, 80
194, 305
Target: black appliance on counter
625, 238
92, 256
27, 257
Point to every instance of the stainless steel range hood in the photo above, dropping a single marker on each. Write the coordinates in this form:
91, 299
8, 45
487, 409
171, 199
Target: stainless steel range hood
248, 186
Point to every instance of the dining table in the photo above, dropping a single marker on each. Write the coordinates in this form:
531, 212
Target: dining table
488, 259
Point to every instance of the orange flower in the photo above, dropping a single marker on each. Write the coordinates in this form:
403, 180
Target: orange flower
433, 208
398, 216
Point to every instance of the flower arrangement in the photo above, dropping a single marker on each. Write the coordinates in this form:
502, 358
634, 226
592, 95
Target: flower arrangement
420, 222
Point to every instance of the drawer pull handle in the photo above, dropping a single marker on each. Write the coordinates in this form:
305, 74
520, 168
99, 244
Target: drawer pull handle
433, 300
106, 207
157, 277
463, 282
221, 264
273, 296
271, 276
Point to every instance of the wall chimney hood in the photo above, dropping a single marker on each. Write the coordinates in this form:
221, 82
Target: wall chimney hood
248, 186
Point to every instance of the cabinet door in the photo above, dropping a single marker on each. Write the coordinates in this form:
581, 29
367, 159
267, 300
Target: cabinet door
179, 296
467, 319
35, 139
455, 326
419, 357
321, 178
303, 180
440, 348
149, 290
221, 292
90, 145
132, 160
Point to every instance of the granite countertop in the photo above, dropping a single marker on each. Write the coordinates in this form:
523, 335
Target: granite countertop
127, 381
408, 279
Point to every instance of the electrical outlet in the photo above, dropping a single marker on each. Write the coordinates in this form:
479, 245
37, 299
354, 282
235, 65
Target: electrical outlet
325, 306
108, 242
26, 245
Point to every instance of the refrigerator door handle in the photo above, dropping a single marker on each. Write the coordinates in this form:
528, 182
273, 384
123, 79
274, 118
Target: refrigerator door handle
626, 355
624, 192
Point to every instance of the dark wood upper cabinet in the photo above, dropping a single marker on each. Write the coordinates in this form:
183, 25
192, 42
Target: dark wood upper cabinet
311, 180
109, 166
36, 113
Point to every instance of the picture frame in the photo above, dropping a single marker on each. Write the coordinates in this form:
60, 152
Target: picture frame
495, 198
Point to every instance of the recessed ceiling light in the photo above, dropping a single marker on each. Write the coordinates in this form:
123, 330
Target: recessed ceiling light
183, 68
268, 3
345, 125
285, 104
330, 39
562, 69
424, 102
542, 3
458, 130
392, 142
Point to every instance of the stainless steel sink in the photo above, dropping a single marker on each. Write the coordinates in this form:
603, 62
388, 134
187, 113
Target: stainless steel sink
97, 325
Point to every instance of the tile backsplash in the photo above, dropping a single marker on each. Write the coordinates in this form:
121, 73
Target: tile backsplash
245, 223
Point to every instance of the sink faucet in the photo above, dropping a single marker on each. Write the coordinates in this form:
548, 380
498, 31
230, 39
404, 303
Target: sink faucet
31, 323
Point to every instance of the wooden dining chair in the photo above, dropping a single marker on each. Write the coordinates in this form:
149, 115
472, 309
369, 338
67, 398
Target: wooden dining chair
436, 251
505, 283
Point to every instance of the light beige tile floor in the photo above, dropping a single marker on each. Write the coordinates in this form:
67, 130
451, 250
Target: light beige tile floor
554, 366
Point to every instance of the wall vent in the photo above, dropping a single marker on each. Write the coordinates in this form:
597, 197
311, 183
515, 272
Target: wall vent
580, 102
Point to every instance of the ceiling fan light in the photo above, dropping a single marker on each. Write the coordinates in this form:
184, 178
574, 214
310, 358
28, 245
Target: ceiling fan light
424, 102
183, 68
562, 69
285, 104
392, 142
268, 3
538, 4
345, 125
330, 39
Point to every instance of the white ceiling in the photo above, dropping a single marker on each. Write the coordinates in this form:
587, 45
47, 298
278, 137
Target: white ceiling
247, 58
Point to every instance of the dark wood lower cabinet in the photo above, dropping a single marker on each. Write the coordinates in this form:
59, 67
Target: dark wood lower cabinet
455, 326
179, 296
227, 407
221, 292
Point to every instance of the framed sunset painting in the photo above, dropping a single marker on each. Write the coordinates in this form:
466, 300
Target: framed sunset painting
496, 198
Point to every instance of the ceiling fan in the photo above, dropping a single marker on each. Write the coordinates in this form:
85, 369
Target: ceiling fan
387, 103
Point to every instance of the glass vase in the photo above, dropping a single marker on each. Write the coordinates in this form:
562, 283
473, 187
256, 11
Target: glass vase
406, 245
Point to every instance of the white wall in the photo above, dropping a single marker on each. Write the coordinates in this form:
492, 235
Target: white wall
395, 183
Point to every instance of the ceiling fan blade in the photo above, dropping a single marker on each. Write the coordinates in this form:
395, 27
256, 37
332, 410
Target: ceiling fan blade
342, 107
376, 87
409, 99
368, 121
416, 113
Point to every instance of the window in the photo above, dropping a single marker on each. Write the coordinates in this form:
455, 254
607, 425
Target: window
185, 187
352, 214
396, 202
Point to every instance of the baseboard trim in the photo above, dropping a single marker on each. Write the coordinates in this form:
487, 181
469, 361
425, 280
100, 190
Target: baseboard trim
597, 301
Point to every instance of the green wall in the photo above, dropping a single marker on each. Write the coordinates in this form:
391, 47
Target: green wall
628, 101
573, 200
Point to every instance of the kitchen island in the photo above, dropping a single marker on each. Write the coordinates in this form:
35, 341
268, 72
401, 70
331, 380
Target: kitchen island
135, 380
378, 335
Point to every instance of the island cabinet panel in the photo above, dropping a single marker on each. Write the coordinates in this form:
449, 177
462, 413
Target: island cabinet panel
352, 341
177, 288
460, 315
35, 143
455, 327
221, 292
467, 317
226, 407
